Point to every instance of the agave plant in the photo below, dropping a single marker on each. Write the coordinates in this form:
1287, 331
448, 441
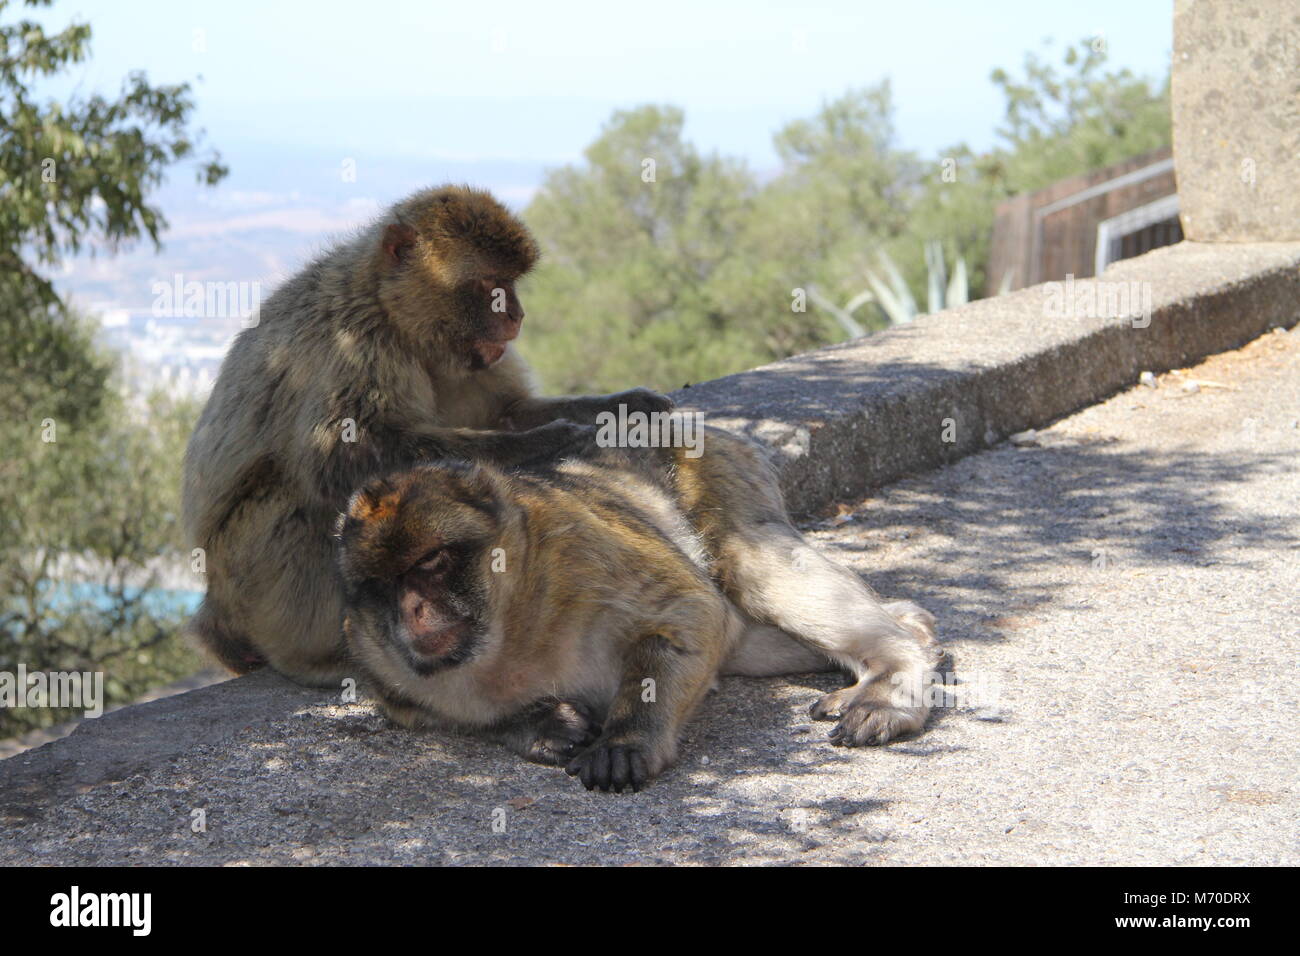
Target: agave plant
895, 299
843, 315
892, 295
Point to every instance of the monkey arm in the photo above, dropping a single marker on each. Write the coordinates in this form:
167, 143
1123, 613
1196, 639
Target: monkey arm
343, 466
549, 441
530, 412
666, 673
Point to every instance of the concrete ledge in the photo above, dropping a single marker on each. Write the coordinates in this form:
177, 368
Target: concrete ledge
142, 737
849, 418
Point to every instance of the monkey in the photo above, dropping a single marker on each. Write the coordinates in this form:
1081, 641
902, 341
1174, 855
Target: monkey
390, 348
580, 610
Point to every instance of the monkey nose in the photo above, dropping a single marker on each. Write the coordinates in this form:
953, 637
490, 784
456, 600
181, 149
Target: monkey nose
435, 642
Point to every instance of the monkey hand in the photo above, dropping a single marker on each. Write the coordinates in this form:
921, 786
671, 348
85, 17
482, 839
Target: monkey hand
642, 400
558, 439
563, 731
608, 765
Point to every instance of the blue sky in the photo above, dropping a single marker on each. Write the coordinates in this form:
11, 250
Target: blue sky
496, 92
531, 81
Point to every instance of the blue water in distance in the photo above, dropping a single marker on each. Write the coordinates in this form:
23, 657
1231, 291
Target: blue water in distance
64, 596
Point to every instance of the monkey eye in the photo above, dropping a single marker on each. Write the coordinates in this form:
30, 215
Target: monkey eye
437, 561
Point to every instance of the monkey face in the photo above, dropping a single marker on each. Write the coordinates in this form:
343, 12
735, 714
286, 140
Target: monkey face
437, 617
493, 315
449, 267
413, 549
474, 311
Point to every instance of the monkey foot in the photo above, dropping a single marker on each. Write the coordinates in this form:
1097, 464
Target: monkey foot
867, 723
607, 766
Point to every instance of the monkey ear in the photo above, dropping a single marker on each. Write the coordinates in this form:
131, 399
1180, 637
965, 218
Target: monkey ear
399, 240
377, 500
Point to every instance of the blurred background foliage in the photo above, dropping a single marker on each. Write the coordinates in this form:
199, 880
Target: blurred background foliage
664, 282
693, 275
88, 516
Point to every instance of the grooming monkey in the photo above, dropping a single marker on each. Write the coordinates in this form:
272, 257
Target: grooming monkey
387, 350
582, 611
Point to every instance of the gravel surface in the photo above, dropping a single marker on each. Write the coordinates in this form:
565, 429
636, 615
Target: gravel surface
1118, 596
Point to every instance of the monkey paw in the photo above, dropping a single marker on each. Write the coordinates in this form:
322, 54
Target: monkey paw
564, 730
609, 766
868, 723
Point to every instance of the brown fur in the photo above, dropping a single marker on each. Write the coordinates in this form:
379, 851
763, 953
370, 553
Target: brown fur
601, 587
385, 334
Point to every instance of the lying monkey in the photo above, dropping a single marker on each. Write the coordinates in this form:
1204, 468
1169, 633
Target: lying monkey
581, 612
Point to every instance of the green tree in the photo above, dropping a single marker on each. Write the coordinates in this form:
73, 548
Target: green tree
89, 517
82, 169
633, 239
844, 191
1063, 122
88, 510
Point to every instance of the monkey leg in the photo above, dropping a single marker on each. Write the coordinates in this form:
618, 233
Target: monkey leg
666, 673
732, 497
767, 651
776, 577
273, 596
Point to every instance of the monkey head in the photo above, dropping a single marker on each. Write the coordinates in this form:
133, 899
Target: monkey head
449, 259
415, 552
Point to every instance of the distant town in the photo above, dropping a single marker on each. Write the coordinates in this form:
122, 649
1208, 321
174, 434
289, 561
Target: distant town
177, 354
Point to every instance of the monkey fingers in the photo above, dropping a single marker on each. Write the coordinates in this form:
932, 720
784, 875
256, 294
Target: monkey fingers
871, 719
609, 766
832, 706
643, 400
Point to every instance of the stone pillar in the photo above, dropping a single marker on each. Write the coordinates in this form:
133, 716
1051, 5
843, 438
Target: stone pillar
1236, 119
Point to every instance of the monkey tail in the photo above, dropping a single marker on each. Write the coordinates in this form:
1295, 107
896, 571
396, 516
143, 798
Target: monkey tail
232, 649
